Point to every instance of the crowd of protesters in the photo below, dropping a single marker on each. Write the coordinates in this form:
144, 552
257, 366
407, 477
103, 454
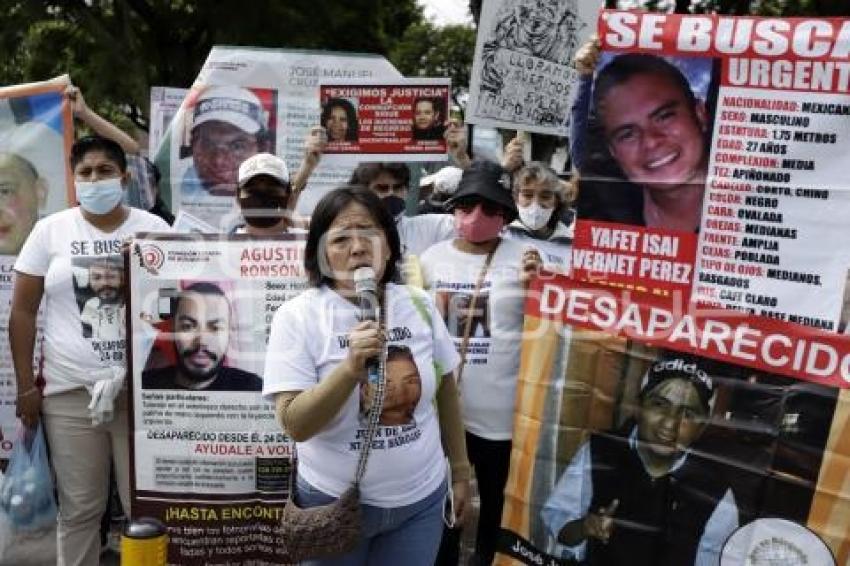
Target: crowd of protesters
486, 229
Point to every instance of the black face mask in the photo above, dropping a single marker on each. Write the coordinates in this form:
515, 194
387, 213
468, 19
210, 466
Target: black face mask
394, 205
262, 211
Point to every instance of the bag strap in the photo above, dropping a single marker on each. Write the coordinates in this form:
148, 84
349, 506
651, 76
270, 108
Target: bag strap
473, 306
374, 414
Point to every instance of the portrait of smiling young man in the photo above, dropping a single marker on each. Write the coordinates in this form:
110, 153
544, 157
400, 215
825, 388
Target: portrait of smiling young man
655, 131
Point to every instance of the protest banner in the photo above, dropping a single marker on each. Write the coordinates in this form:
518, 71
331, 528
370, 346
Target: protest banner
36, 132
683, 392
522, 76
399, 120
208, 457
165, 102
246, 101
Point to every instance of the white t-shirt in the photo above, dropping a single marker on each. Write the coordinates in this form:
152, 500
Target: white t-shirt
308, 341
555, 252
488, 384
418, 233
81, 331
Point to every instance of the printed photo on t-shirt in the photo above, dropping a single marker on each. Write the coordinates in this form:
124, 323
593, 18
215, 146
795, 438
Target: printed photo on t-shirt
403, 389
99, 288
458, 311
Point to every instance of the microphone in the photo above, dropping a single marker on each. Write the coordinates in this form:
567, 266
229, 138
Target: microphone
367, 299
367, 293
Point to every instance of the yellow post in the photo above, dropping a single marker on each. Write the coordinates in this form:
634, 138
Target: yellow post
144, 543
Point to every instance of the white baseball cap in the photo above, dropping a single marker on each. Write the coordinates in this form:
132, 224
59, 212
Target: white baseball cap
232, 104
263, 164
445, 180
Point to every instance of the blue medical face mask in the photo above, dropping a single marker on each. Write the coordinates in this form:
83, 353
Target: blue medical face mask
99, 197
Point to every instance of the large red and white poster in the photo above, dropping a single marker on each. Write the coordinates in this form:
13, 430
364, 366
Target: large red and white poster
398, 120
683, 394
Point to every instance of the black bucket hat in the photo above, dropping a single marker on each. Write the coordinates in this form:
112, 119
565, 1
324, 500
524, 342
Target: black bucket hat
488, 181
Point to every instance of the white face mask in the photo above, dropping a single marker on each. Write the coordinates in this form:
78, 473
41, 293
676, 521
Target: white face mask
534, 216
99, 197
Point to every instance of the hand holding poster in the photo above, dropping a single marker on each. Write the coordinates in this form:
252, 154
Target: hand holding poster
684, 391
400, 120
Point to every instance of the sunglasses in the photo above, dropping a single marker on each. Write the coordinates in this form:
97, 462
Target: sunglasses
489, 208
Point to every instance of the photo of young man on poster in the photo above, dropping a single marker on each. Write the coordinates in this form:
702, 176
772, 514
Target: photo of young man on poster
198, 344
695, 449
227, 125
429, 116
639, 495
648, 141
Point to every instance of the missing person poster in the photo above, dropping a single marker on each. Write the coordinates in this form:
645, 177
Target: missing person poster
247, 101
36, 132
683, 395
208, 457
522, 76
401, 120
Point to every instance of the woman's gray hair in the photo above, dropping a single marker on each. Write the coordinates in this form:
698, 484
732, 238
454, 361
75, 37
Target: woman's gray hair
535, 171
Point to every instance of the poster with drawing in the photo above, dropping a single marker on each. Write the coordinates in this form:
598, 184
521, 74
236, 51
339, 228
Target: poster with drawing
522, 76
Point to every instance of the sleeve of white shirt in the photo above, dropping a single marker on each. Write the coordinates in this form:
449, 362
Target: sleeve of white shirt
289, 364
425, 266
445, 353
722, 523
34, 258
445, 227
570, 500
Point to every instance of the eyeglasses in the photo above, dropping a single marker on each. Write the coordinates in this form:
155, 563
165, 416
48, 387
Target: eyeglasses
490, 208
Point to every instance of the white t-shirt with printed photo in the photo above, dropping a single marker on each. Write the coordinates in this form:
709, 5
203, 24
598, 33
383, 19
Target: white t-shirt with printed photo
308, 341
83, 333
488, 384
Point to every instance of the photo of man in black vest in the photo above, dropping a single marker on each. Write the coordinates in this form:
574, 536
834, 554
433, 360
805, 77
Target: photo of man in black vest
641, 495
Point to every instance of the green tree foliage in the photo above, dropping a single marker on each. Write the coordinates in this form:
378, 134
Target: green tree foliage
428, 51
116, 49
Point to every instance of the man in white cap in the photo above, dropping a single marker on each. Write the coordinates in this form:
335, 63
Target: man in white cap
263, 196
229, 125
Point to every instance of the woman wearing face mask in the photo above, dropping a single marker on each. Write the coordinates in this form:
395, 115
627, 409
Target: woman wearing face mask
83, 367
540, 199
263, 194
478, 284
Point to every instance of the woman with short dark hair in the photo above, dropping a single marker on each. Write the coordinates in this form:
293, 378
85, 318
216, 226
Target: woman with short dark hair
317, 372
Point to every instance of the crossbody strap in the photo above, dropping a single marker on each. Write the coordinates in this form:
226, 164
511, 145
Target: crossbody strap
473, 306
374, 415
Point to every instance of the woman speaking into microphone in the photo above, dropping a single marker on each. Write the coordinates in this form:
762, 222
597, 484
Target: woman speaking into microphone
327, 359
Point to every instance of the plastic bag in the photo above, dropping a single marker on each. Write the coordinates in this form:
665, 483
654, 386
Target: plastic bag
26, 496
